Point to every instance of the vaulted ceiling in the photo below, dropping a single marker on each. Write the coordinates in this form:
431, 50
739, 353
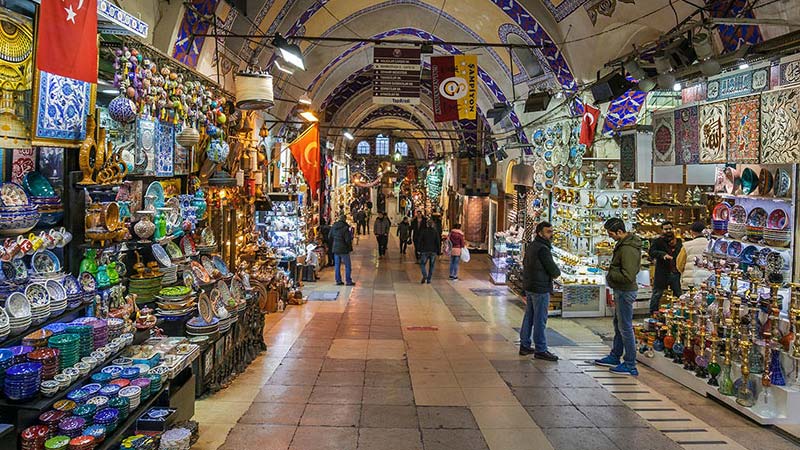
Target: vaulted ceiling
576, 38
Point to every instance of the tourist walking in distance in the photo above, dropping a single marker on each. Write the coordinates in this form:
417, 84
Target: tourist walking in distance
429, 245
381, 230
457, 242
404, 234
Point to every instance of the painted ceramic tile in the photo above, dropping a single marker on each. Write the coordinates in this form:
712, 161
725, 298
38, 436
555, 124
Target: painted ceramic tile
63, 104
744, 129
145, 147
664, 139
713, 132
687, 137
780, 120
23, 160
165, 149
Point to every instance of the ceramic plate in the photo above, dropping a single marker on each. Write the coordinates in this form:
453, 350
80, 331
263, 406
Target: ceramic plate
735, 249
602, 201
88, 283
45, 261
207, 235
721, 212
538, 136
187, 245
161, 255
220, 265
757, 217
763, 254
12, 194
783, 182
37, 294
204, 307
224, 291
731, 180
188, 279
778, 220
748, 254
200, 272
18, 306
738, 214
208, 264
157, 190
237, 289
20, 268
765, 182
721, 247
174, 251
749, 181
37, 185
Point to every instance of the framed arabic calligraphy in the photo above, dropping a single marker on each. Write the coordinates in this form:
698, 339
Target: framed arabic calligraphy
780, 120
664, 139
713, 132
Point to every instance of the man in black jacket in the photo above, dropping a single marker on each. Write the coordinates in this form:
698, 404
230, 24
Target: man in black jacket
341, 237
417, 224
429, 246
664, 252
539, 270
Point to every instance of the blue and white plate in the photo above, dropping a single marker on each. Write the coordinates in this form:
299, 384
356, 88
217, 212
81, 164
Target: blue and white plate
161, 255
71, 285
37, 294
45, 261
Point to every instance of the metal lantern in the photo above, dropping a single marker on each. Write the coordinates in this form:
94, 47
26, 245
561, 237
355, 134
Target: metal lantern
254, 91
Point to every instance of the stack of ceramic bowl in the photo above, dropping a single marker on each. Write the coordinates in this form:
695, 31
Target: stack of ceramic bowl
58, 297
99, 330
5, 325
170, 275
6, 361
86, 337
69, 345
145, 385
59, 442
37, 339
778, 238
33, 438
40, 311
17, 214
19, 313
134, 396
130, 373
85, 411
719, 227
56, 327
72, 289
98, 432
108, 417
20, 353
198, 327
82, 442
736, 230
22, 381
71, 426
115, 327
51, 418
49, 359
755, 233
44, 198
145, 288
121, 404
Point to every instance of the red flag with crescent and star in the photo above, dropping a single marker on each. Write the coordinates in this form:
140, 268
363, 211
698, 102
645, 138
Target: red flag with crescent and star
305, 150
589, 124
67, 39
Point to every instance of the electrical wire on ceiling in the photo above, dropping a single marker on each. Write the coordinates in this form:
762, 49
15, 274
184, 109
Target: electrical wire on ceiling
439, 16
338, 20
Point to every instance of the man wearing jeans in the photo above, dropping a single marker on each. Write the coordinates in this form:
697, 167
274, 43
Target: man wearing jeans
429, 245
621, 277
341, 237
665, 252
539, 270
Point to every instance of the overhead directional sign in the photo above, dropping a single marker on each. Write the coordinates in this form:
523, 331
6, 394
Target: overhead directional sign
122, 22
395, 75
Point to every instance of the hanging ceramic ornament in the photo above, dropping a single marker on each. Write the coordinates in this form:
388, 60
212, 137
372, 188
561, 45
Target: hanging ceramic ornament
122, 109
188, 137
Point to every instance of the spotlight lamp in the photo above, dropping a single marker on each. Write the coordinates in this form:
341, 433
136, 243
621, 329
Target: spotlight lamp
290, 53
304, 99
309, 116
348, 135
285, 70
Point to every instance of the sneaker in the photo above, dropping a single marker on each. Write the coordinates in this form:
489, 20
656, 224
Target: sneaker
625, 369
422, 281
340, 283
547, 356
608, 361
351, 284
429, 281
525, 351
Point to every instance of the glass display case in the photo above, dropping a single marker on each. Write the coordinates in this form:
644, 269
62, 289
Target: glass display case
505, 252
282, 227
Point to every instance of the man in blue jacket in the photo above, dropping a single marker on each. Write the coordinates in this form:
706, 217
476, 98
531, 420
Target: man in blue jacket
539, 270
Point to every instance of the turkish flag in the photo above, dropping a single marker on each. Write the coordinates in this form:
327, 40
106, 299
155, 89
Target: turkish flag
67, 39
305, 150
589, 124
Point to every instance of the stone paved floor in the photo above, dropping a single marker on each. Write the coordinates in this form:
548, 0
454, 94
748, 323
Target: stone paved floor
396, 365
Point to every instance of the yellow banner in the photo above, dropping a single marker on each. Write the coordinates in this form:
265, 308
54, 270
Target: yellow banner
467, 69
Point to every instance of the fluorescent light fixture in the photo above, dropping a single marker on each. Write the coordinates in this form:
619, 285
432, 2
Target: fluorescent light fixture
743, 65
109, 91
290, 53
284, 69
304, 99
348, 135
309, 116
677, 87
488, 160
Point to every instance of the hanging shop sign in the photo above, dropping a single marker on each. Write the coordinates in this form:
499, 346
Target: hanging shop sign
789, 70
738, 83
455, 87
122, 22
395, 75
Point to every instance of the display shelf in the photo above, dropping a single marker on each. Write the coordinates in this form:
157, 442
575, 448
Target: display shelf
787, 400
123, 430
746, 243
594, 208
67, 315
755, 197
601, 190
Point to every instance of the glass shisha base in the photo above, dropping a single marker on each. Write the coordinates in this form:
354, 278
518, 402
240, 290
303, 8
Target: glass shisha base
765, 406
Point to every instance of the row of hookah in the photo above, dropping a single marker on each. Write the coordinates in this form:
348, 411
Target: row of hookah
706, 325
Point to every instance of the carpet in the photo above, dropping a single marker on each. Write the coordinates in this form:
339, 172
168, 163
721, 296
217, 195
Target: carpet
555, 339
323, 296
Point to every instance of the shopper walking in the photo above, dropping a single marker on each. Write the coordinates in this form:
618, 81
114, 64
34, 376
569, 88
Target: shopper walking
325, 237
621, 277
417, 224
404, 234
664, 251
361, 221
538, 272
341, 236
457, 242
429, 245
381, 230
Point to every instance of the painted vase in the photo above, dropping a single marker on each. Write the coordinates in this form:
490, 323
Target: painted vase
199, 202
145, 227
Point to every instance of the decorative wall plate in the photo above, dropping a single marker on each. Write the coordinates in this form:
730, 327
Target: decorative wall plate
174, 251
783, 182
778, 220
155, 188
738, 214
161, 255
757, 217
200, 272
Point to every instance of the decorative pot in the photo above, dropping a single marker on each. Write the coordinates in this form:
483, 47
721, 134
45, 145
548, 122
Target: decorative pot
188, 137
145, 227
122, 109
199, 202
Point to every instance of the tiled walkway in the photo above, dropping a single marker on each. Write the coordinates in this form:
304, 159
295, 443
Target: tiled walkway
396, 365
